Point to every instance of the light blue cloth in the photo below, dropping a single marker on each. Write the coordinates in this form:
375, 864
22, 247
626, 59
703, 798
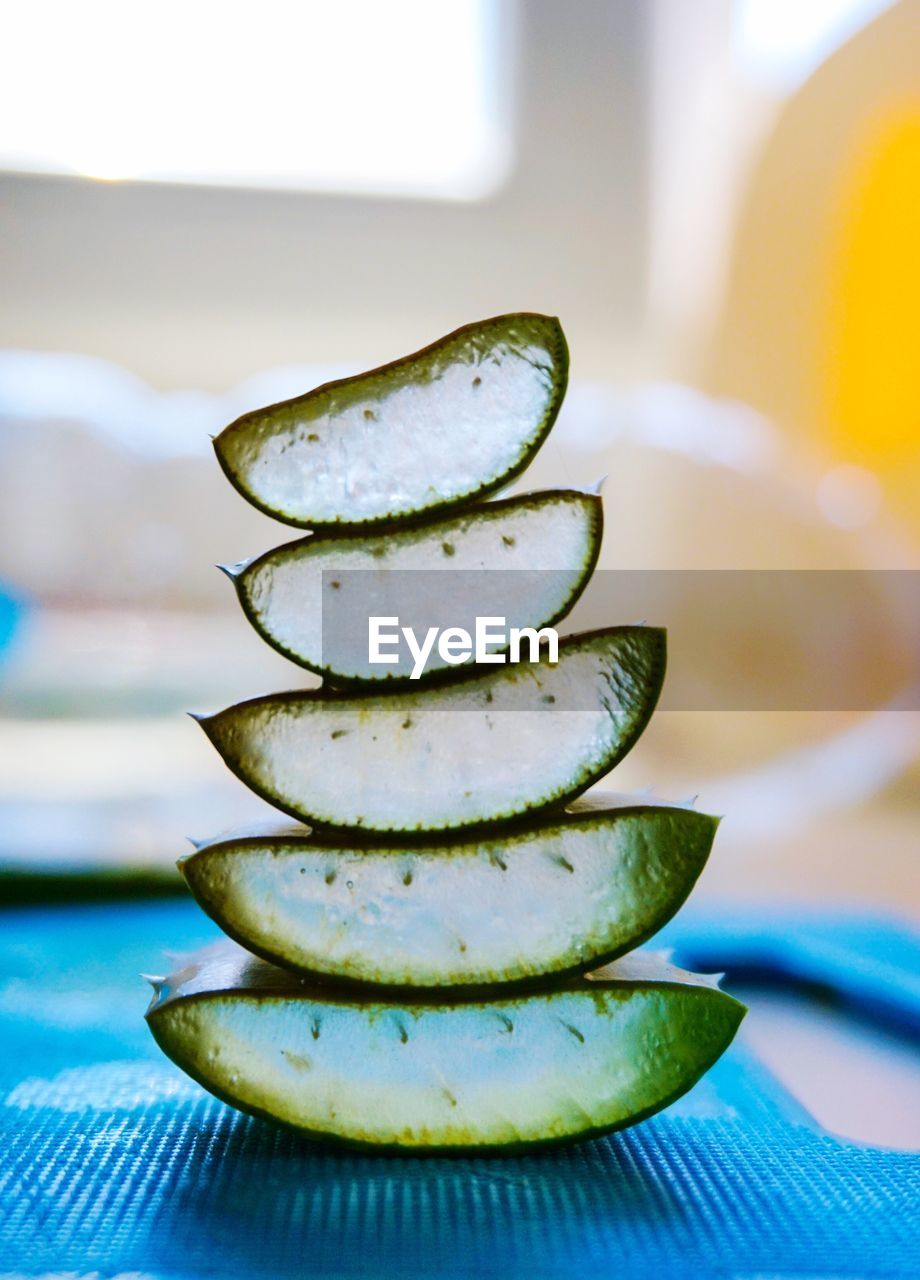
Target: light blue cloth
112, 1161
11, 611
870, 964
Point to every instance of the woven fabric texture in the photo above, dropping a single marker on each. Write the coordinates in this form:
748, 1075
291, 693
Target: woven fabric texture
112, 1161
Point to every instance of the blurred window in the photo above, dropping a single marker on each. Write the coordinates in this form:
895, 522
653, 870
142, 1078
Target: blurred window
404, 98
780, 42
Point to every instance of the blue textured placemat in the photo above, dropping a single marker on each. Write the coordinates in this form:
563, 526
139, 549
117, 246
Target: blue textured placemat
112, 1161
870, 964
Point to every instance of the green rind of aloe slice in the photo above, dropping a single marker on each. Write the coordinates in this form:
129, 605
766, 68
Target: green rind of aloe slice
559, 896
500, 1073
481, 749
529, 559
427, 433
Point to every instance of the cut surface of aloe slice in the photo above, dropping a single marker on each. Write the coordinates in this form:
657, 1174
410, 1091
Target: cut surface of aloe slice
481, 749
567, 894
436, 429
502, 1072
524, 559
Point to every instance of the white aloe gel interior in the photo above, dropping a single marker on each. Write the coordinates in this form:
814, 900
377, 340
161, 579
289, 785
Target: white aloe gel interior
589, 1056
489, 747
452, 422
543, 545
567, 893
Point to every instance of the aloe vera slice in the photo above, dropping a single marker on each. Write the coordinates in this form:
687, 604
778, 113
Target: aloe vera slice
564, 895
480, 749
500, 1072
544, 546
434, 430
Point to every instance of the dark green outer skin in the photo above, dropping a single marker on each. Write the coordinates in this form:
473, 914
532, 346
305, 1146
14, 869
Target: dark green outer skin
527, 983
494, 1150
427, 678
505, 822
561, 359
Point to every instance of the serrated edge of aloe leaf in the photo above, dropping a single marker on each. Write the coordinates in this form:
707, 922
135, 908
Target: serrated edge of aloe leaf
733, 1008
238, 575
459, 676
289, 986
561, 357
528, 982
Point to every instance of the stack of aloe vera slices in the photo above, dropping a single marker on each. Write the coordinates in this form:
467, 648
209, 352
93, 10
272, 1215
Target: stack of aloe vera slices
426, 958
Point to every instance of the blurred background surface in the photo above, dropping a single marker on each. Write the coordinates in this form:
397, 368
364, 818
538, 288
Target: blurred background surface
203, 211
